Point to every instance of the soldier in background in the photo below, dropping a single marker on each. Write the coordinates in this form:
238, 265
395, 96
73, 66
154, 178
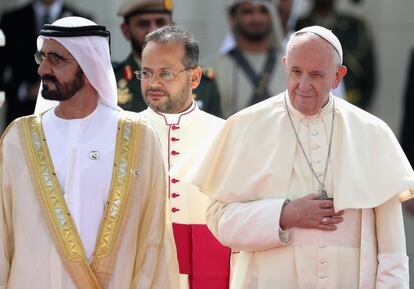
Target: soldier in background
358, 49
140, 18
252, 69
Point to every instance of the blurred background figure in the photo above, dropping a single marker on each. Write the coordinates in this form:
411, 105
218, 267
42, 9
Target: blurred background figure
18, 70
251, 70
284, 8
141, 17
358, 48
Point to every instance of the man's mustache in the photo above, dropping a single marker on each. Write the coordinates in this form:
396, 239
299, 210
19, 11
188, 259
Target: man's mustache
50, 78
155, 90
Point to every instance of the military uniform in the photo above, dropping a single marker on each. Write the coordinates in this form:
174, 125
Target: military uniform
358, 55
236, 88
129, 89
245, 77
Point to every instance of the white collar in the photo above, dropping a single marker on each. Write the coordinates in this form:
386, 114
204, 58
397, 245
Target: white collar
173, 118
325, 110
97, 109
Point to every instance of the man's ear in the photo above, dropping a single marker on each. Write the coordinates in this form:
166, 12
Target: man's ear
196, 74
340, 74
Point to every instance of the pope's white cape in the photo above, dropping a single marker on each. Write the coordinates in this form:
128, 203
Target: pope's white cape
252, 158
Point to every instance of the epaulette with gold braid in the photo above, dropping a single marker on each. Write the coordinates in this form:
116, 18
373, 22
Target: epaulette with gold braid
168, 5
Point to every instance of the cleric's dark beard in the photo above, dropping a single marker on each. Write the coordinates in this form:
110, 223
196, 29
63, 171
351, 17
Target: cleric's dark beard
171, 104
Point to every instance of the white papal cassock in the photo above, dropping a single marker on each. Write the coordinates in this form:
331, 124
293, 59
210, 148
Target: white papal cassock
255, 164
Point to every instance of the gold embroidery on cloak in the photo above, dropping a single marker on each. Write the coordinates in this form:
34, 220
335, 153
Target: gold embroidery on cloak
63, 228
120, 187
53, 204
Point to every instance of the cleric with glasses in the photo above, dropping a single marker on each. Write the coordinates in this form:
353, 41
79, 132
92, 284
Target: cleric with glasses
163, 74
169, 72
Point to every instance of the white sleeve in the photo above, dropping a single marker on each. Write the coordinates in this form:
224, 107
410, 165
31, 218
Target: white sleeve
392, 269
392, 272
247, 226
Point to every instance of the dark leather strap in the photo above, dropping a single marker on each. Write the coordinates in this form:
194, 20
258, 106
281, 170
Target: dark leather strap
260, 81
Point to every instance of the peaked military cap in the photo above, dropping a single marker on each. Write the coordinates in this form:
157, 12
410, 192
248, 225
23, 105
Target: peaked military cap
129, 7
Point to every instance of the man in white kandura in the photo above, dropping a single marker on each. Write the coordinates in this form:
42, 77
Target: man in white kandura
82, 196
274, 168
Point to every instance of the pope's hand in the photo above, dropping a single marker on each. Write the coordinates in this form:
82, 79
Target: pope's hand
310, 213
